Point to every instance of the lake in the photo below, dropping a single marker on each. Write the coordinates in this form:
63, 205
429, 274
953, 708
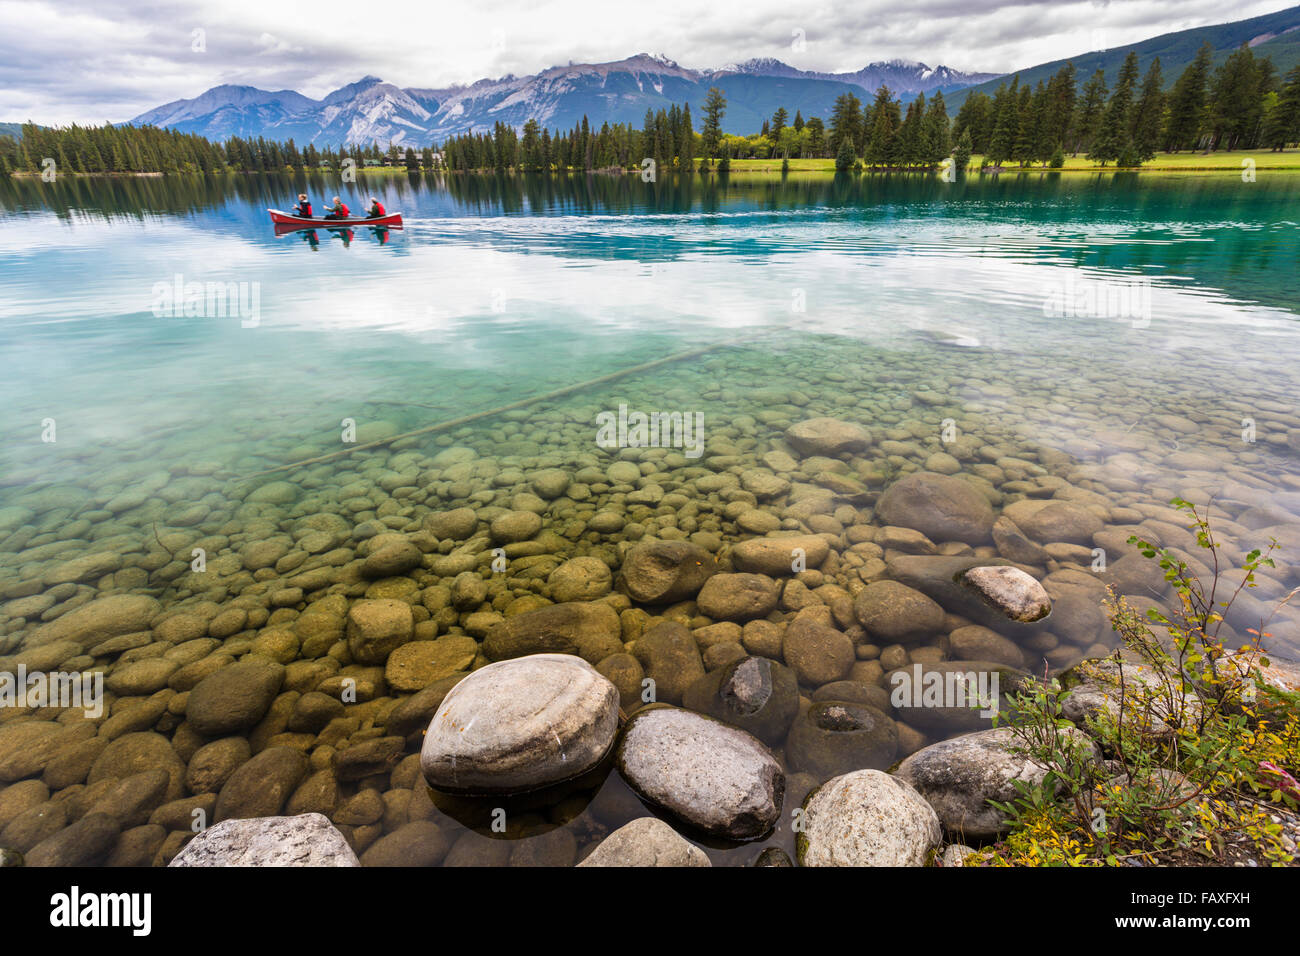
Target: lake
1075, 351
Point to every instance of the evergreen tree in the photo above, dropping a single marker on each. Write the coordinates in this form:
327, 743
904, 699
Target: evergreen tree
1187, 102
778, 124
1236, 100
846, 120
938, 142
880, 148
1091, 108
1113, 135
961, 155
1282, 122
1148, 114
715, 106
845, 158
1006, 110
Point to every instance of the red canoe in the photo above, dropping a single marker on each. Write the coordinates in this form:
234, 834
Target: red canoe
284, 219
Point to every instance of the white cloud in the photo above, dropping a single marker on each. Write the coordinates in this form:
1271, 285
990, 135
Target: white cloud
91, 60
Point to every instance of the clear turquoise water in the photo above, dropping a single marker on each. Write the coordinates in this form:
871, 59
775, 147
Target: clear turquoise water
906, 299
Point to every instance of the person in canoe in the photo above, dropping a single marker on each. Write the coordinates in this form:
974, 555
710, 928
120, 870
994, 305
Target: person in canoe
303, 209
339, 210
376, 210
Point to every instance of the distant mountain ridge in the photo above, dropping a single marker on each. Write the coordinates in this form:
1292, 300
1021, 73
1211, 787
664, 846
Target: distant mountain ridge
1275, 35
371, 110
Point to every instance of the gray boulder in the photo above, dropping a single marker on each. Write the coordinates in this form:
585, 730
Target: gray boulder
866, 818
713, 776
307, 839
520, 725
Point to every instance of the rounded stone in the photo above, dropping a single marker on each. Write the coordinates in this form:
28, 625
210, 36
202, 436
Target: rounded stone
716, 778
580, 579
817, 652
941, 507
234, 698
378, 627
894, 613
663, 572
520, 725
867, 818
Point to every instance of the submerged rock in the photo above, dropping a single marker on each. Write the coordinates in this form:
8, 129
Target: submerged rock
836, 736
646, 842
234, 698
896, 613
307, 839
662, 572
738, 597
776, 556
1009, 590
959, 776
713, 776
941, 507
590, 630
376, 628
520, 725
867, 818
827, 436
671, 659
755, 694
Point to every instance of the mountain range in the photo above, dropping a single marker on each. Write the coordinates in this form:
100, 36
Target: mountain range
371, 110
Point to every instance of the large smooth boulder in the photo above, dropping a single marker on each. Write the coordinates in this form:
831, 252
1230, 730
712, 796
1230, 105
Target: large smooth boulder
590, 630
663, 572
713, 776
827, 436
959, 776
941, 507
738, 597
894, 613
1010, 591
520, 725
646, 842
671, 658
1052, 520
97, 621
307, 839
233, 698
818, 653
376, 628
776, 556
866, 818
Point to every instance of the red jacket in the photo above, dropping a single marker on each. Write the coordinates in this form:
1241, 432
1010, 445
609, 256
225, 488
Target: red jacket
378, 210
343, 211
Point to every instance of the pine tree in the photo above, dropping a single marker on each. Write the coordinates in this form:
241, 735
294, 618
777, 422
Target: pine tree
846, 120
938, 142
1282, 122
1113, 135
880, 146
1091, 108
715, 106
961, 155
1006, 105
1236, 99
1148, 115
778, 124
845, 158
1187, 102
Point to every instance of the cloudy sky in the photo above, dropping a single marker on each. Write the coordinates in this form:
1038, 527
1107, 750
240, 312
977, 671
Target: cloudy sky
65, 61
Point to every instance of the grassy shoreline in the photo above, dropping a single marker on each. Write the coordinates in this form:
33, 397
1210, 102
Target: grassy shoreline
1234, 161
